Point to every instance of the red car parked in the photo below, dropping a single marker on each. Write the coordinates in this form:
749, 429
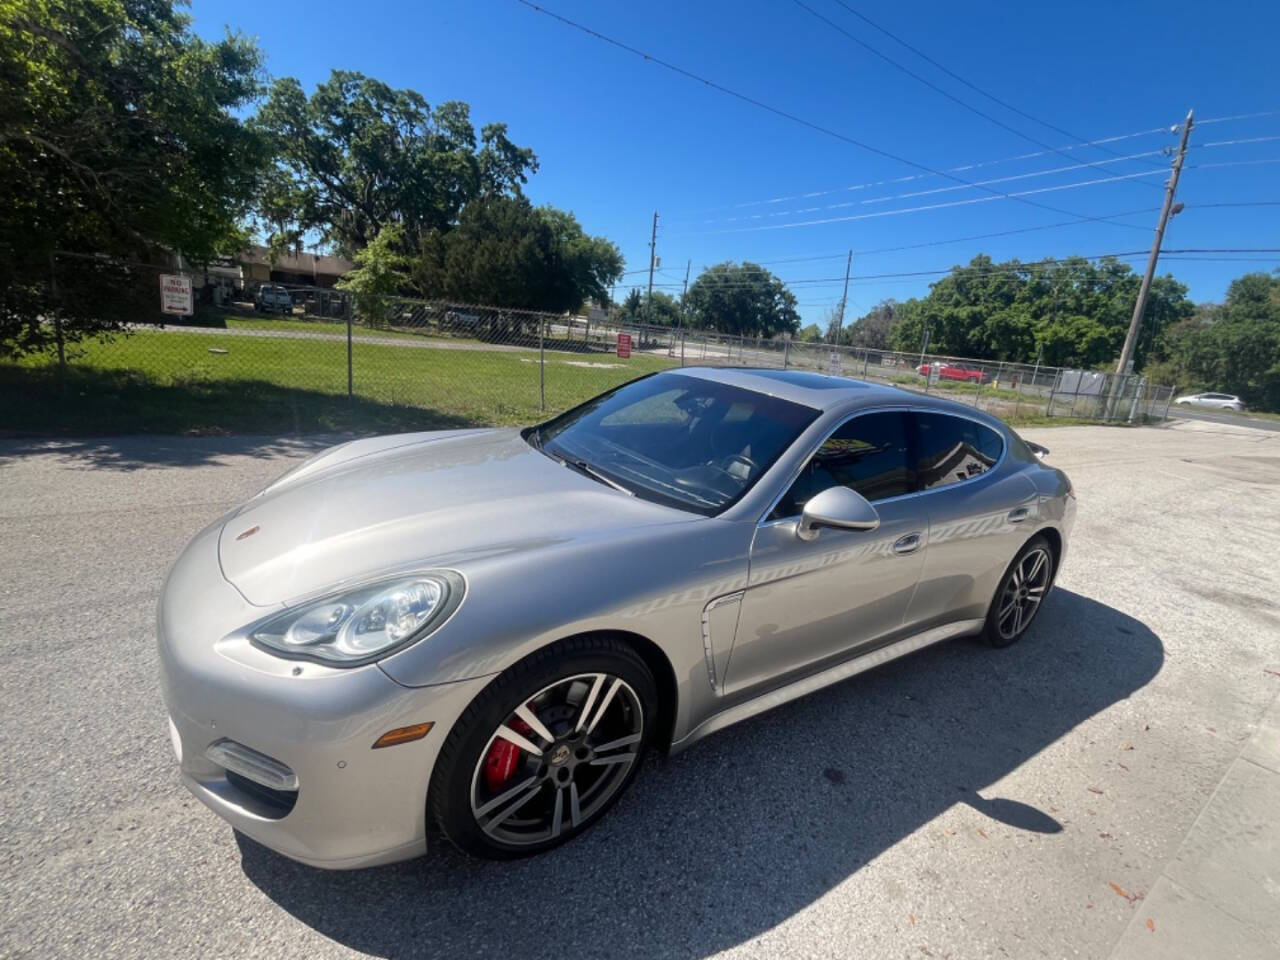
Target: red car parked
956, 371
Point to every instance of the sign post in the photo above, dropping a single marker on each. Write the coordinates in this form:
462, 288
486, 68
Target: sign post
624, 345
175, 295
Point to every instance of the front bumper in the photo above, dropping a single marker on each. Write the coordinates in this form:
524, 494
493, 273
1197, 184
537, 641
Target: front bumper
355, 806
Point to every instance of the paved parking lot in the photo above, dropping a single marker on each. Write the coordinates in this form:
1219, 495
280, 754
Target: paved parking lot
1044, 800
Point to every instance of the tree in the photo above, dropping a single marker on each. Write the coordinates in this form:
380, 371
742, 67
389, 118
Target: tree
358, 155
663, 310
1078, 310
742, 299
119, 145
810, 334
505, 252
380, 273
872, 328
1234, 347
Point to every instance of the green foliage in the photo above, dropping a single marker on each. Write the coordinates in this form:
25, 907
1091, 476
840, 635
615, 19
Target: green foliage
381, 271
742, 299
1078, 310
664, 310
1235, 347
505, 252
118, 139
358, 155
810, 334
872, 328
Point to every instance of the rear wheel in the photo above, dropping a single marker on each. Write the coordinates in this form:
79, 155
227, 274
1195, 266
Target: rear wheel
545, 750
1021, 593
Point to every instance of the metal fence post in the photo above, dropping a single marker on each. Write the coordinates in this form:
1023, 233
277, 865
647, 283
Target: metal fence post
682, 348
347, 311
542, 366
1137, 399
1173, 389
786, 351
1048, 408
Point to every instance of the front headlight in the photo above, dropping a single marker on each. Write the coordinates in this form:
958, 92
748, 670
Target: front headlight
363, 623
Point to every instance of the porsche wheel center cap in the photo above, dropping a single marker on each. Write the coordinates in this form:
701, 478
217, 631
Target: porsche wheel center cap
560, 754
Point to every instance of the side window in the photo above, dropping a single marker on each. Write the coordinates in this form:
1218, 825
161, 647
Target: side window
868, 454
951, 449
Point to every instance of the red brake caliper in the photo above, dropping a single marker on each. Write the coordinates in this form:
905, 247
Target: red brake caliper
500, 764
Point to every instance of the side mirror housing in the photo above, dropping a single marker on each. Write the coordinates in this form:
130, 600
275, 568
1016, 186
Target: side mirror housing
837, 507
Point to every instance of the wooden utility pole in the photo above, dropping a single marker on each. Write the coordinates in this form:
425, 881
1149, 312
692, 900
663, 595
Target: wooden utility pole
843, 300
1139, 308
680, 316
653, 247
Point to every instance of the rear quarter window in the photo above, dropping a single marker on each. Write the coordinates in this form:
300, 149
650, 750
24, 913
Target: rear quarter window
953, 449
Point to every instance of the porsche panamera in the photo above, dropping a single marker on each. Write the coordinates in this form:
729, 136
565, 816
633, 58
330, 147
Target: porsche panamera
480, 632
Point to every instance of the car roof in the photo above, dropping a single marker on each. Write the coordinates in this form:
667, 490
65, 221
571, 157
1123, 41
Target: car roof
819, 390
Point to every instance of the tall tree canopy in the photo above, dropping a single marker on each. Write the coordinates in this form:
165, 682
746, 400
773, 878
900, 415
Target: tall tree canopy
663, 310
118, 137
505, 252
742, 298
1077, 310
358, 155
1234, 347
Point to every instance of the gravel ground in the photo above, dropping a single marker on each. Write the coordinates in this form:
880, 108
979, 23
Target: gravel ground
963, 802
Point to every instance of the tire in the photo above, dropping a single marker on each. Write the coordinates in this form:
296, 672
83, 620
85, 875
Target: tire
1023, 582
599, 731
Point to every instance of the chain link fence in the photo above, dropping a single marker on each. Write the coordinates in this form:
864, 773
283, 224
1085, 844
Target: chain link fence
275, 356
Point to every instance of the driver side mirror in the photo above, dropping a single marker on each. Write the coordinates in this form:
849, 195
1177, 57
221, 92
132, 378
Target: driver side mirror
837, 507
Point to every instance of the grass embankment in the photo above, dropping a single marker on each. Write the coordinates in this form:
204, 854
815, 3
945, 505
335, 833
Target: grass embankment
180, 382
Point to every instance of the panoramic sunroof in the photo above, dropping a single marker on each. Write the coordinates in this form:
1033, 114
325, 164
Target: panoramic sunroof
810, 381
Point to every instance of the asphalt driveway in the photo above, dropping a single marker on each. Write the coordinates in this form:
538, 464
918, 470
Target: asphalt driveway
963, 802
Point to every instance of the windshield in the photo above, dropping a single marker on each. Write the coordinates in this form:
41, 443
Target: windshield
687, 442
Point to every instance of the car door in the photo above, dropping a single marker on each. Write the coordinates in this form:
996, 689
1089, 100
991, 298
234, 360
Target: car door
978, 516
811, 601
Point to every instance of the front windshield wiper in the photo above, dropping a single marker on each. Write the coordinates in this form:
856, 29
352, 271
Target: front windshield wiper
576, 463
583, 467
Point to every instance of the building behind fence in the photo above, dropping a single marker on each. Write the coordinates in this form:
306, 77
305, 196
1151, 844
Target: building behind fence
464, 364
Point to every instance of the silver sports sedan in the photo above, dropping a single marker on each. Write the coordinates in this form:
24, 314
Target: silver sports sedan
482, 631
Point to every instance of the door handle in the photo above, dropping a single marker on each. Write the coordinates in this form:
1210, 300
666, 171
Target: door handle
908, 544
1019, 514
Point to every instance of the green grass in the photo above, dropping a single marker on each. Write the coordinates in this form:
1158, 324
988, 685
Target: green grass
333, 327
209, 382
174, 382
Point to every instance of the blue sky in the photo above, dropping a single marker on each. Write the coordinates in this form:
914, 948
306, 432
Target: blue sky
618, 137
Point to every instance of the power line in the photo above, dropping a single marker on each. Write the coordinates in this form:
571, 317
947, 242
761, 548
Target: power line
920, 193
827, 131
996, 268
955, 76
1239, 116
928, 83
934, 190
975, 165
1017, 195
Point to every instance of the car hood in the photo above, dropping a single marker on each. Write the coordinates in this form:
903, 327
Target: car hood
415, 500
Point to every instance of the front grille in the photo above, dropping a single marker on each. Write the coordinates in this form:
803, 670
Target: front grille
278, 800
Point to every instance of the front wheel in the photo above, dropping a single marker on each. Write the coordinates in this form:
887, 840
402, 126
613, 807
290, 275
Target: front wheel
1021, 593
545, 749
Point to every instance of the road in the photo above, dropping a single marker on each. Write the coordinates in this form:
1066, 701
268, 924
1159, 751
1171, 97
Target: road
1043, 800
1233, 419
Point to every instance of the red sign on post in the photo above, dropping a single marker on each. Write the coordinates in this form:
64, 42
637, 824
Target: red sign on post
624, 345
175, 295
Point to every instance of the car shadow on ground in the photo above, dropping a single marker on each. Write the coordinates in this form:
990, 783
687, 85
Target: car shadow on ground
741, 831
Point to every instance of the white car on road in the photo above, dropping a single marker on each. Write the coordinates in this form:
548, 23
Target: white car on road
1215, 401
